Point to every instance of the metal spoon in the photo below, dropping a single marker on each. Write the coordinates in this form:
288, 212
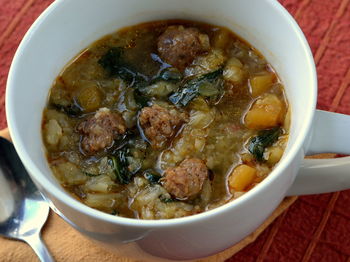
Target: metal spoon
23, 211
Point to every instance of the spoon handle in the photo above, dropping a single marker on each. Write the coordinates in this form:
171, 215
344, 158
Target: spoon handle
38, 245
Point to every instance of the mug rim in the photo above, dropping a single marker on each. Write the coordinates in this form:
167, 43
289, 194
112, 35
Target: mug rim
76, 205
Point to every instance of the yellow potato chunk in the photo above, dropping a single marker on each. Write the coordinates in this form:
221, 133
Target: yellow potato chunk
261, 83
90, 98
274, 155
241, 177
266, 112
275, 152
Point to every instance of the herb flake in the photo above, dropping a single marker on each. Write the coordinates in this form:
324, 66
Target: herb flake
120, 164
264, 139
152, 177
165, 199
191, 89
114, 63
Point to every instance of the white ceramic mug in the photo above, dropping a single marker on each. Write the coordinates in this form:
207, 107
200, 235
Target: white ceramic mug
68, 26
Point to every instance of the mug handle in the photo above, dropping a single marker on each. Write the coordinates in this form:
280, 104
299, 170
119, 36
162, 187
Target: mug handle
331, 135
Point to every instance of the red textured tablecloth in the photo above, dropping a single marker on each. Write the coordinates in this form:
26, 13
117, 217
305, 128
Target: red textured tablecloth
315, 228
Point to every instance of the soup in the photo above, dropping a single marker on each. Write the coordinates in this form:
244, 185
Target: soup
165, 119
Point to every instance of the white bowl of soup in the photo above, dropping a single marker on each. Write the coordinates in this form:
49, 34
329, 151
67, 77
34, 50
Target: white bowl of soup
165, 119
163, 129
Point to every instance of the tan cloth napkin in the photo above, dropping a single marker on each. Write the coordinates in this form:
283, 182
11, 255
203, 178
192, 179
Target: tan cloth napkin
66, 244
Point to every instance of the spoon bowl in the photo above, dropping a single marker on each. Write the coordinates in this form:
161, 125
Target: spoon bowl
23, 210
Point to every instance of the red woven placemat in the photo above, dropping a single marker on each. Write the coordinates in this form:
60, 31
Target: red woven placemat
315, 228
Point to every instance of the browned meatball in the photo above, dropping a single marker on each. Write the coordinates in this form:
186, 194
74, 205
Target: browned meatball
178, 46
159, 124
185, 180
100, 130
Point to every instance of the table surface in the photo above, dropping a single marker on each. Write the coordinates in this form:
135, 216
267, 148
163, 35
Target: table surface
315, 228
